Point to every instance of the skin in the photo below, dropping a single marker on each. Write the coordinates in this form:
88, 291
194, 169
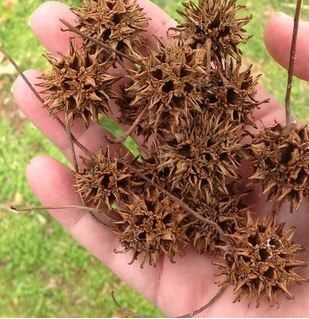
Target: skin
175, 288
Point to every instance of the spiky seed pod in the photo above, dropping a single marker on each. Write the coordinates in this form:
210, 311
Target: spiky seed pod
151, 225
227, 211
168, 85
231, 91
118, 23
199, 161
280, 158
260, 261
215, 23
104, 180
78, 86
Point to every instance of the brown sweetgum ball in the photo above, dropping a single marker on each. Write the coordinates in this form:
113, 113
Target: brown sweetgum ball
150, 226
214, 23
201, 160
227, 211
103, 180
281, 163
119, 24
167, 84
78, 86
260, 261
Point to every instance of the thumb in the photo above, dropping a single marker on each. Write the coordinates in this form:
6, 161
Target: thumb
278, 38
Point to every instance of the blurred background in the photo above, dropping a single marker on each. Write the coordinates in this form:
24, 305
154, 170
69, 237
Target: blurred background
43, 272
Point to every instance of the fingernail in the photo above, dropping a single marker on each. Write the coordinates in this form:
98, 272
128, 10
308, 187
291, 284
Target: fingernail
284, 15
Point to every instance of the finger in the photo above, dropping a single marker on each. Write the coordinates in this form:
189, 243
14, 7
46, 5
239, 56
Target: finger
95, 237
93, 138
47, 27
278, 39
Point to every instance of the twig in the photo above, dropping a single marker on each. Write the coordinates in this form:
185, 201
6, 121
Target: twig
196, 312
30, 209
91, 211
98, 42
125, 309
129, 131
71, 143
21, 73
292, 65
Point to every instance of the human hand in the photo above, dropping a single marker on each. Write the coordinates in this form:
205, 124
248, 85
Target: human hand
175, 288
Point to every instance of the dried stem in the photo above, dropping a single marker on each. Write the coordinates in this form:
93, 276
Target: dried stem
98, 42
21, 73
130, 130
91, 211
69, 135
175, 199
196, 312
37, 95
292, 64
30, 209
125, 309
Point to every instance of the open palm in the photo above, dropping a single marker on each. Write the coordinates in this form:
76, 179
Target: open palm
175, 288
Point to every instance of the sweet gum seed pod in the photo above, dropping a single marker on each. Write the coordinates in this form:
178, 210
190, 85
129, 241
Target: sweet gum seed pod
120, 24
150, 226
167, 83
227, 211
104, 180
200, 160
78, 86
214, 23
280, 159
260, 261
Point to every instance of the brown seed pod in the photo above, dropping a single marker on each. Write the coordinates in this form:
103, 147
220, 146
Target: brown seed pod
78, 86
199, 161
104, 180
260, 261
168, 85
281, 163
118, 23
216, 22
227, 211
231, 91
151, 225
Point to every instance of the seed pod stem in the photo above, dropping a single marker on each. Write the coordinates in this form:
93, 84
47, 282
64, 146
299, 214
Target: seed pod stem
70, 140
292, 65
125, 309
30, 209
129, 131
91, 211
21, 73
198, 311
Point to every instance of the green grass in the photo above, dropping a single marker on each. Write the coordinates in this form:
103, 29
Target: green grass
43, 272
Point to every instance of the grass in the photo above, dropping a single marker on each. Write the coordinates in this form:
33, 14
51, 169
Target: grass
43, 272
